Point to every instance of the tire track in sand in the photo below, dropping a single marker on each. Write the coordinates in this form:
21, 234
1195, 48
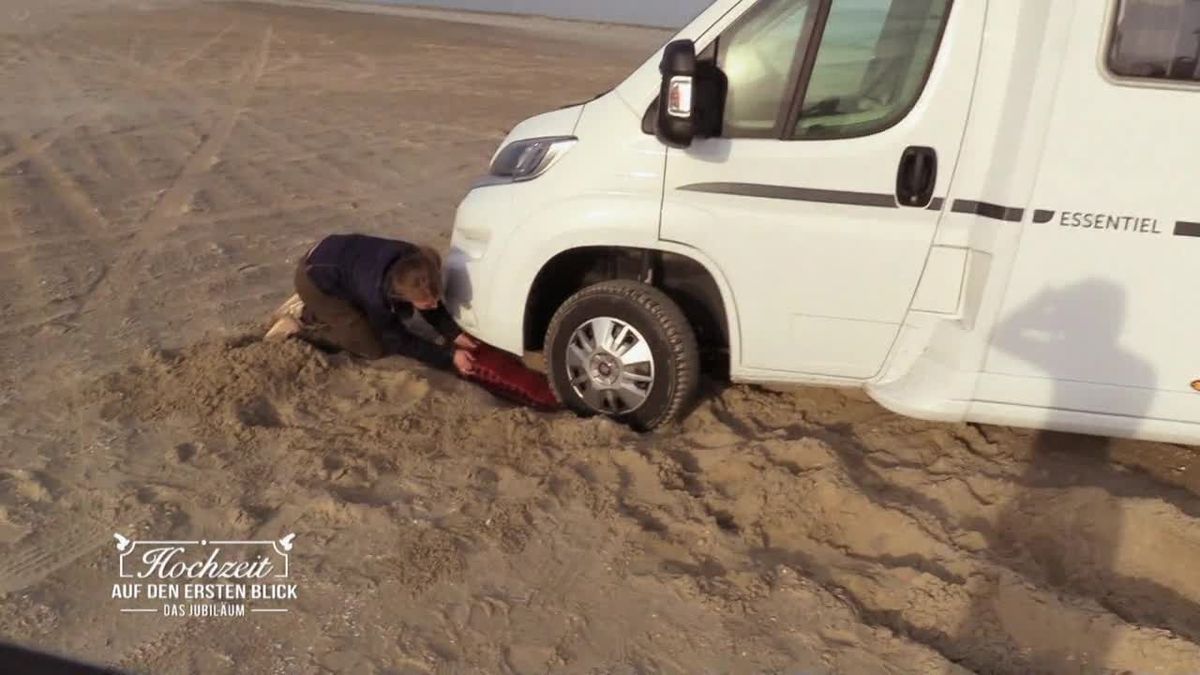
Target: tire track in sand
34, 308
33, 150
84, 222
198, 51
36, 144
76, 199
170, 206
49, 550
56, 75
280, 146
114, 145
172, 202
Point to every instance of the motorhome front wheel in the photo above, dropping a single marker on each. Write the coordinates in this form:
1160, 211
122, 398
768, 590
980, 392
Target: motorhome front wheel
623, 349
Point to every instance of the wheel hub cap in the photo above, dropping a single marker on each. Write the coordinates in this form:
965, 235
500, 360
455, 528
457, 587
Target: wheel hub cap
606, 369
610, 365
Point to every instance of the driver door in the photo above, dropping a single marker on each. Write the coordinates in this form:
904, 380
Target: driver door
819, 201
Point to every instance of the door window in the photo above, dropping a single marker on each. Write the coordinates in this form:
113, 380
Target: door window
871, 66
1157, 39
874, 58
758, 55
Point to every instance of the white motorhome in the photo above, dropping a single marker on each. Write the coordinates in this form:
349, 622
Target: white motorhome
977, 210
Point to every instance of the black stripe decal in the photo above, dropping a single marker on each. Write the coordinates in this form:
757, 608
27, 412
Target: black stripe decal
1043, 216
886, 201
1186, 229
875, 199
993, 211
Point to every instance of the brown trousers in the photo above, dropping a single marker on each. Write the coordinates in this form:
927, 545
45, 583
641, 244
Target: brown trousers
333, 323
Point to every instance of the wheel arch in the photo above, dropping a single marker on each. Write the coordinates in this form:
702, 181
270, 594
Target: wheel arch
686, 278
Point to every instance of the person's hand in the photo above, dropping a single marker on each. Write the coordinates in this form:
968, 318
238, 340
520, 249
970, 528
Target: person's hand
464, 361
464, 341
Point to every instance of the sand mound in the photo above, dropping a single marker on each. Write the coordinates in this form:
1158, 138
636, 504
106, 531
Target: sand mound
236, 379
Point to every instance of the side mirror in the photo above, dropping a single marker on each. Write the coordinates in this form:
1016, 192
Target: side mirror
692, 97
676, 105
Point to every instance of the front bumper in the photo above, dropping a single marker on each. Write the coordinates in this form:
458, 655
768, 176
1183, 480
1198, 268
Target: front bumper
474, 269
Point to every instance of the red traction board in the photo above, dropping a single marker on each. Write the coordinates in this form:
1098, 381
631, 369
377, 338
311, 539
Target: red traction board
508, 377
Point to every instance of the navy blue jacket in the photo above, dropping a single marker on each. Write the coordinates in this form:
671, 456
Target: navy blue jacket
354, 268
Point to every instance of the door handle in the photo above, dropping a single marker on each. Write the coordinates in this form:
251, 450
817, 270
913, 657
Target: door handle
917, 177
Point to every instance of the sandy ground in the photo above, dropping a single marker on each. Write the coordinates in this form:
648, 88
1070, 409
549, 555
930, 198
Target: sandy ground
161, 168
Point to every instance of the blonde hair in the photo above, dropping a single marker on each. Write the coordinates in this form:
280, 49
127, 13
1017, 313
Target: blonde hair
417, 276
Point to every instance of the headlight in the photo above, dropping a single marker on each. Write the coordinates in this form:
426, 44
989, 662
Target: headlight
528, 159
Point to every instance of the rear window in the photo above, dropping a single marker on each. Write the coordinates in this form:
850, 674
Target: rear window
1156, 39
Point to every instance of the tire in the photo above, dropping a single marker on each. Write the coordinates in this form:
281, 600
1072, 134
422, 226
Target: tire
581, 369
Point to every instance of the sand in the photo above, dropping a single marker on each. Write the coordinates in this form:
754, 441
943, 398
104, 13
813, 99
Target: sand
161, 167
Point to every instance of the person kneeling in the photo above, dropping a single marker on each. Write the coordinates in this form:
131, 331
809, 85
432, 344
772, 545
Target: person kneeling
358, 291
